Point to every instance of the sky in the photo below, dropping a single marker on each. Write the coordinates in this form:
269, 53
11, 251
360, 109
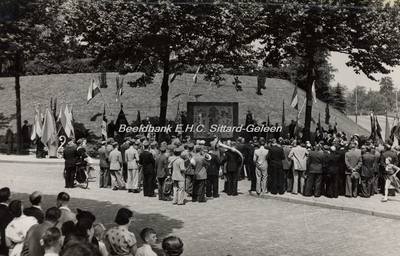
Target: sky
346, 75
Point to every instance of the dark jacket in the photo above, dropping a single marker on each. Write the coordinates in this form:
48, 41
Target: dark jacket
146, 159
9, 135
35, 212
275, 157
103, 156
214, 164
353, 160
232, 160
332, 163
162, 166
70, 155
368, 164
5, 219
200, 171
315, 162
124, 147
342, 160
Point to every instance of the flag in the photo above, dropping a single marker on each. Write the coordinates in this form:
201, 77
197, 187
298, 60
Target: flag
37, 125
195, 75
173, 76
319, 123
121, 120
93, 90
138, 120
104, 125
314, 97
335, 127
387, 128
373, 131
49, 128
120, 89
378, 128
327, 115
295, 103
283, 115
68, 122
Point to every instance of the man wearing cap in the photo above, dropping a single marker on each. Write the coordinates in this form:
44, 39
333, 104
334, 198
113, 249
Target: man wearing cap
162, 171
146, 160
332, 173
260, 160
353, 163
70, 154
177, 166
125, 146
200, 173
115, 160
189, 171
131, 158
367, 173
104, 165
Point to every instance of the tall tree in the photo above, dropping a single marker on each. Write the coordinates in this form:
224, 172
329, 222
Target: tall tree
338, 98
387, 90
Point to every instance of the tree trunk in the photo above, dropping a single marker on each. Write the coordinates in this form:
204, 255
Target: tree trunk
18, 101
310, 80
164, 97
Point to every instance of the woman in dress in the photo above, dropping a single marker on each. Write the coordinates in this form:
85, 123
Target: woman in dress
390, 177
17, 228
119, 240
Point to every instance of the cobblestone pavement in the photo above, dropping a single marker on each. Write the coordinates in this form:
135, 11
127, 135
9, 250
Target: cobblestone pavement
242, 225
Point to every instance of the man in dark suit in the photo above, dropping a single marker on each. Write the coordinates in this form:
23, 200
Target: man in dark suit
35, 210
233, 162
26, 138
32, 244
5, 218
9, 139
200, 174
353, 164
161, 166
104, 166
146, 160
242, 149
342, 168
315, 164
275, 168
70, 155
212, 174
125, 146
377, 155
292, 127
367, 173
332, 164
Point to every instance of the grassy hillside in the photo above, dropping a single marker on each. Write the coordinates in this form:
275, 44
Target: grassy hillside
73, 89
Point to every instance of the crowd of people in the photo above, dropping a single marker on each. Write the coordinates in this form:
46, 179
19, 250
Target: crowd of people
60, 231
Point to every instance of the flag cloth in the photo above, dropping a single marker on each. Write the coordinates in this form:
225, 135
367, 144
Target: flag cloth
327, 115
173, 76
120, 89
69, 123
93, 90
387, 128
378, 128
138, 120
104, 125
37, 125
195, 75
295, 102
314, 96
335, 127
373, 131
49, 128
121, 120
283, 115
319, 123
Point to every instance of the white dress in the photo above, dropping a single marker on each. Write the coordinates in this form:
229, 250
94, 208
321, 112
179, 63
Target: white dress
16, 232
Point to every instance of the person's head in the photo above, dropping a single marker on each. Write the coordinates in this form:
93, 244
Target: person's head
15, 208
99, 230
36, 198
5, 195
85, 214
146, 144
25, 121
388, 160
149, 236
62, 199
123, 216
262, 141
68, 228
115, 145
177, 151
273, 141
84, 228
51, 240
172, 246
53, 215
79, 248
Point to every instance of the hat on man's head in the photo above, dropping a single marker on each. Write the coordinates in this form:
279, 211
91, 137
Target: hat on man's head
137, 142
190, 145
79, 141
146, 143
171, 147
153, 144
163, 149
103, 142
178, 150
114, 144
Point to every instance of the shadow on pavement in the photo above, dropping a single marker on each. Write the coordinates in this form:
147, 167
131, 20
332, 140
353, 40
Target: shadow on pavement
105, 213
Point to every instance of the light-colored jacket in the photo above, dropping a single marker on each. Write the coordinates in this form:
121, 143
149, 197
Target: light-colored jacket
260, 158
115, 159
299, 156
178, 168
131, 158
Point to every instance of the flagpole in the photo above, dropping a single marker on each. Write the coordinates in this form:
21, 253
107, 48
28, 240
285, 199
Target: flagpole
105, 102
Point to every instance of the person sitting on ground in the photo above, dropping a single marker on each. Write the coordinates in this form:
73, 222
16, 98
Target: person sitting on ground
66, 214
172, 246
149, 238
52, 242
35, 210
99, 230
17, 228
390, 177
119, 240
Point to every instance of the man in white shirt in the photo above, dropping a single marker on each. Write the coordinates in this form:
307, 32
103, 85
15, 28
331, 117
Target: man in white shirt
299, 156
260, 160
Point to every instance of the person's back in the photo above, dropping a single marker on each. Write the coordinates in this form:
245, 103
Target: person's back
316, 161
299, 156
103, 156
260, 157
5, 218
66, 213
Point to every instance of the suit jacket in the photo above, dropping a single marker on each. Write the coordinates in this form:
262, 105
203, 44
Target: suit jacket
124, 147
66, 215
9, 135
5, 219
70, 155
162, 166
287, 162
103, 155
260, 158
232, 160
33, 237
115, 159
131, 158
332, 163
315, 162
342, 160
35, 212
275, 157
177, 165
299, 156
353, 160
368, 165
213, 165
146, 159
377, 159
200, 171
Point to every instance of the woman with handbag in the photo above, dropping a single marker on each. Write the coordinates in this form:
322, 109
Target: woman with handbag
390, 177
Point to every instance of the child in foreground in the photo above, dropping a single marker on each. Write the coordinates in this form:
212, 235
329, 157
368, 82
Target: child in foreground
149, 237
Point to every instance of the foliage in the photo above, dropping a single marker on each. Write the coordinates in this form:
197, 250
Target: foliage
338, 98
387, 90
213, 74
69, 66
